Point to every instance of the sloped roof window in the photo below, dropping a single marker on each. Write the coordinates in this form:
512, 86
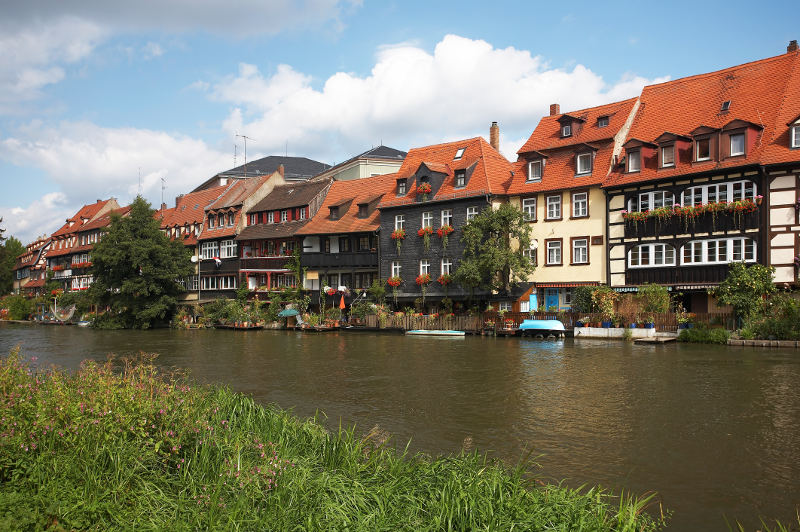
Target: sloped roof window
726, 105
459, 154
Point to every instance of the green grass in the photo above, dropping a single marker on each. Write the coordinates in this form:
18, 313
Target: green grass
127, 447
703, 335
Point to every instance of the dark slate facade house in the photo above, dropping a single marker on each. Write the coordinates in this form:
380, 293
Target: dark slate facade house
269, 238
463, 177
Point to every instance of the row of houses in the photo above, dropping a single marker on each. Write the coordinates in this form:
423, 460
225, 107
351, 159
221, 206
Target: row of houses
668, 187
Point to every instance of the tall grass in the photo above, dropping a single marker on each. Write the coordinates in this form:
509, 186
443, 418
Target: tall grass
124, 446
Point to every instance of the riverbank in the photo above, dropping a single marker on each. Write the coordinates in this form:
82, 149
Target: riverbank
136, 448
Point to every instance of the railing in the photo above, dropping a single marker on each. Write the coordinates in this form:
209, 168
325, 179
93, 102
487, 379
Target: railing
265, 263
359, 259
703, 223
706, 274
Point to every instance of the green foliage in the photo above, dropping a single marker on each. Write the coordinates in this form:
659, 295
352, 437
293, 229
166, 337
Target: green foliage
136, 268
128, 448
82, 301
489, 260
361, 309
703, 335
653, 298
582, 299
9, 251
746, 288
19, 307
603, 299
377, 292
780, 322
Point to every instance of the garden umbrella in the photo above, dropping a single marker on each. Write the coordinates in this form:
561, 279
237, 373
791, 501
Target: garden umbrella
341, 303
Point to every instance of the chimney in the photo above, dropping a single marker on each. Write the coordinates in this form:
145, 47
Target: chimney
494, 136
163, 206
792, 46
281, 170
555, 109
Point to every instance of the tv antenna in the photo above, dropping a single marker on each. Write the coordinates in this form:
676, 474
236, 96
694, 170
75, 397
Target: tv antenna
246, 138
234, 155
163, 187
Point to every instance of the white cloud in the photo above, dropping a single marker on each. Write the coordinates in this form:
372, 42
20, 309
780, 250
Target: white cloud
42, 216
410, 98
152, 50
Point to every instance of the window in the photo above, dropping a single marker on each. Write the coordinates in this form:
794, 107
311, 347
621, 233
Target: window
553, 252
427, 219
529, 209
461, 178
253, 219
667, 156
334, 212
525, 306
302, 213
231, 217
395, 268
208, 250
472, 212
634, 161
584, 165
401, 187
580, 251
795, 136
566, 130
459, 153
554, 207
535, 171
568, 297
221, 220
399, 221
447, 217
447, 266
212, 221
648, 255
504, 305
580, 204
721, 192
326, 245
651, 200
602, 121
227, 282
344, 244
702, 149
532, 254
270, 217
284, 215
208, 283
227, 249
424, 266
363, 243
737, 144
362, 210
719, 251
726, 105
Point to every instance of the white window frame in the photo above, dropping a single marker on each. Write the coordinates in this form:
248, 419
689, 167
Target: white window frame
664, 163
208, 283
653, 250
231, 218
566, 130
634, 161
226, 282
447, 266
427, 219
732, 245
270, 217
402, 187
460, 179
697, 149
602, 121
504, 305
584, 251
553, 207
396, 268
472, 212
253, 219
535, 171
459, 154
739, 150
554, 246
212, 221
795, 134
284, 215
734, 191
525, 305
209, 250
399, 221
654, 200
583, 156
302, 213
227, 249
424, 266
447, 217
529, 209
577, 201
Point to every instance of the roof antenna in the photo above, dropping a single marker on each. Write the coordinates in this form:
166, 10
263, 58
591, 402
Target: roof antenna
163, 186
246, 138
234, 155
286, 150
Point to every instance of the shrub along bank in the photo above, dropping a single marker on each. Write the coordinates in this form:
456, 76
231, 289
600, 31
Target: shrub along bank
133, 448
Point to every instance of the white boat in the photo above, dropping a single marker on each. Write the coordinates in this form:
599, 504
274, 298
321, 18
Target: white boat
84, 323
424, 332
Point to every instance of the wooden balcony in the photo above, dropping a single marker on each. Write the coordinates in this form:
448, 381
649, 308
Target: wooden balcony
357, 259
704, 223
265, 263
674, 275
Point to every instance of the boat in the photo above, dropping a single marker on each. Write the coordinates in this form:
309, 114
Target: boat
84, 323
424, 332
233, 326
542, 328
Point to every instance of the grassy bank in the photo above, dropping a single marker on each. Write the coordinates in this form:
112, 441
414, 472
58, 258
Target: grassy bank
126, 447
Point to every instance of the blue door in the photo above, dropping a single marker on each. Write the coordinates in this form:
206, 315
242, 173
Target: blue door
550, 298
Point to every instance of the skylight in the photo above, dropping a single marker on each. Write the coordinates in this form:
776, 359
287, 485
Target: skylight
459, 153
726, 105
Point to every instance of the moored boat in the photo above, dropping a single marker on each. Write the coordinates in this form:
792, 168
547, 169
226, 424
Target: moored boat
424, 332
542, 328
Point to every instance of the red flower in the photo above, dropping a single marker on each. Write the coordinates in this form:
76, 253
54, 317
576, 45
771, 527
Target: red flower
444, 279
394, 281
444, 230
425, 231
399, 234
423, 279
424, 188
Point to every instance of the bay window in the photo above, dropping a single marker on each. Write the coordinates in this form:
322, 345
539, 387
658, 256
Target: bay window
719, 251
650, 255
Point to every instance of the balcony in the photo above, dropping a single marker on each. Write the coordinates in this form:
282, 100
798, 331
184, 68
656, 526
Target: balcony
672, 275
360, 259
706, 222
265, 263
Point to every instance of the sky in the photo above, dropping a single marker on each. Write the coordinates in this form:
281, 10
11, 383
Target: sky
106, 99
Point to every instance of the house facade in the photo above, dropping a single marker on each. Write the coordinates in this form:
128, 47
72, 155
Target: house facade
376, 161
557, 184
30, 268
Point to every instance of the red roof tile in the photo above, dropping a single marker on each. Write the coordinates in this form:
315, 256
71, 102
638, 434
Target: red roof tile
87, 212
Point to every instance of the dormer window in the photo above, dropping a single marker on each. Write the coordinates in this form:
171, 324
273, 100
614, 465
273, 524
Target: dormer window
334, 211
459, 154
583, 163
535, 170
566, 130
702, 149
362, 210
667, 156
737, 144
402, 187
795, 134
460, 178
212, 221
602, 121
634, 161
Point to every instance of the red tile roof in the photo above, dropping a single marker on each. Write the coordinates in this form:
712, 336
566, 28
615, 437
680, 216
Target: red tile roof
560, 153
189, 210
97, 223
764, 92
357, 191
87, 212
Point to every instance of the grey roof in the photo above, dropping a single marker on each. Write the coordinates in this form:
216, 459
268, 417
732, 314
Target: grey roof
291, 195
294, 169
378, 152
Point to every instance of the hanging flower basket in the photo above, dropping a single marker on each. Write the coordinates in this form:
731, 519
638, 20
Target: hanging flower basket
423, 279
330, 291
398, 235
445, 279
395, 282
424, 189
426, 233
443, 232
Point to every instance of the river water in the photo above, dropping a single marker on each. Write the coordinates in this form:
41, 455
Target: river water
714, 430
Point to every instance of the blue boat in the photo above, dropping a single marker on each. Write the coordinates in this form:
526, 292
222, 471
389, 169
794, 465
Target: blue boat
542, 328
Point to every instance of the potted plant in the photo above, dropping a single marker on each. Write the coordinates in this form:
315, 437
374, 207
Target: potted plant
426, 233
424, 189
444, 232
398, 235
650, 322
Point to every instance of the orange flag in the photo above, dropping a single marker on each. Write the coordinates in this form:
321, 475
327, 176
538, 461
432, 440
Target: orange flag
341, 303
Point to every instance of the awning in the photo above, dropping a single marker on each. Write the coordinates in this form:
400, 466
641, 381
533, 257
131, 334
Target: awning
566, 285
695, 286
632, 288
285, 313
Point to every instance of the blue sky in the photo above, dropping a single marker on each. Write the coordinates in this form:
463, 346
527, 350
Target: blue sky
95, 93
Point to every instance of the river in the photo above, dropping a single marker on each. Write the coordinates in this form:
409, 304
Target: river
714, 430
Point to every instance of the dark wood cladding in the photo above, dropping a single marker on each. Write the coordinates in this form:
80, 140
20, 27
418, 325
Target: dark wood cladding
705, 274
265, 263
357, 259
704, 224
227, 266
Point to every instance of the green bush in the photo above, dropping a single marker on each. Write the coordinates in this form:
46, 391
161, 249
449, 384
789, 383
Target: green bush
653, 298
19, 307
780, 322
704, 335
582, 299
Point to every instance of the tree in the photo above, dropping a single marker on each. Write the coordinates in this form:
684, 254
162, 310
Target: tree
489, 260
136, 269
9, 251
746, 288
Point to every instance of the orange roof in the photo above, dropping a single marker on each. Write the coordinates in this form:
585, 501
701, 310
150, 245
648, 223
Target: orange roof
559, 153
86, 213
490, 171
238, 191
97, 223
765, 93
357, 191
190, 208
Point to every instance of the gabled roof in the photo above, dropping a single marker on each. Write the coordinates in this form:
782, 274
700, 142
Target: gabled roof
291, 195
96, 224
236, 192
765, 93
276, 230
368, 190
190, 208
295, 169
381, 152
85, 214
